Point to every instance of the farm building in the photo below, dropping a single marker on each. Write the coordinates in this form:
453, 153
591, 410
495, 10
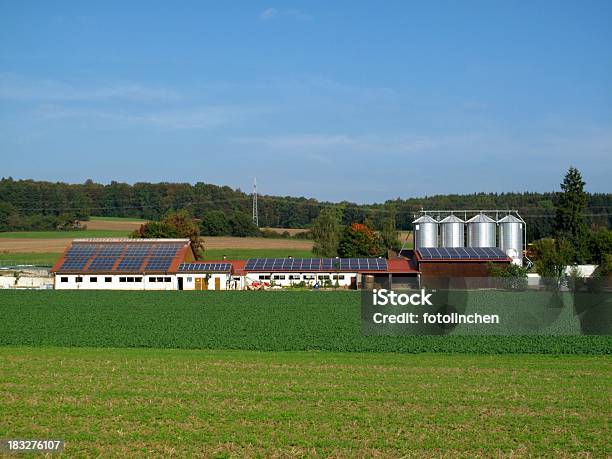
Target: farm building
169, 264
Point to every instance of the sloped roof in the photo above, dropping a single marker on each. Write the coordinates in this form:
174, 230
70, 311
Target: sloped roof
425, 219
481, 218
122, 255
509, 219
452, 219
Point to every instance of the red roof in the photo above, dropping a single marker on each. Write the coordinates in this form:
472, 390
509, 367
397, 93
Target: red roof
400, 265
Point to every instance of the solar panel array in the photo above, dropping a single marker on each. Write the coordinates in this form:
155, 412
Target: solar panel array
158, 264
316, 264
102, 264
206, 267
127, 257
461, 253
130, 264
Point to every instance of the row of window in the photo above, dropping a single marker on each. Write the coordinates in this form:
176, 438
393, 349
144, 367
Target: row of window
297, 277
94, 279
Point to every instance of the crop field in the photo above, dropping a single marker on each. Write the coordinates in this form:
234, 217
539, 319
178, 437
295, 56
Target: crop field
57, 241
177, 403
267, 321
28, 258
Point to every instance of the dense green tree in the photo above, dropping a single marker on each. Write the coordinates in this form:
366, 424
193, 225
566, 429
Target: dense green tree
174, 225
569, 222
388, 231
326, 232
215, 223
552, 257
242, 225
8, 214
600, 245
359, 240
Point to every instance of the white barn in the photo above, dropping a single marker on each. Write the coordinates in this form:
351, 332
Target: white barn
169, 264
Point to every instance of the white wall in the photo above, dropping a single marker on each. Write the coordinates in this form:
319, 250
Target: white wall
115, 282
288, 279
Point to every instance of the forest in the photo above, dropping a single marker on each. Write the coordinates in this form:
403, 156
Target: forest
40, 205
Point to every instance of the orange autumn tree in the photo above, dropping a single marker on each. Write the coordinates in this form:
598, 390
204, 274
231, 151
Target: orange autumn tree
359, 240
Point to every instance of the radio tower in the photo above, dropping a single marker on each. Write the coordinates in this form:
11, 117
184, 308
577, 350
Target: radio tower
255, 212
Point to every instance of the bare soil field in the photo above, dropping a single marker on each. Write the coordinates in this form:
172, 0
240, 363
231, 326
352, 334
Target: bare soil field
22, 245
291, 231
223, 242
33, 245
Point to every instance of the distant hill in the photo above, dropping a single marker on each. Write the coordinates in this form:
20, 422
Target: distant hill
30, 204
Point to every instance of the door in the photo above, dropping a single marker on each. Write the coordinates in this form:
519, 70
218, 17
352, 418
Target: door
217, 283
198, 283
205, 283
180, 283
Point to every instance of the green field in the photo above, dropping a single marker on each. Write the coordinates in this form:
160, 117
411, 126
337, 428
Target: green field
121, 402
29, 258
63, 234
243, 254
267, 321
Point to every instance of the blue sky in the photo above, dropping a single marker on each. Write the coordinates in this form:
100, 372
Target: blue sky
343, 100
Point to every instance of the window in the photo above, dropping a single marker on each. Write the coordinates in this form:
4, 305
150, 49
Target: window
339, 276
108, 279
294, 277
323, 277
309, 276
190, 279
122, 279
151, 279
130, 279
167, 279
160, 279
79, 279
138, 279
63, 279
278, 277
93, 279
264, 277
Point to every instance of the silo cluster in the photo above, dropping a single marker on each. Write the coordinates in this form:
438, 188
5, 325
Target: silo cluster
479, 231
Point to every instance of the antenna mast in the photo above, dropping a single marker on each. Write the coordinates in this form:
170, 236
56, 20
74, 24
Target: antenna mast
255, 212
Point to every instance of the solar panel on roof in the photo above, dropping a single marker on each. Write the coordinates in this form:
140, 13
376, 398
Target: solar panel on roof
316, 264
102, 264
71, 263
130, 264
210, 267
461, 253
159, 263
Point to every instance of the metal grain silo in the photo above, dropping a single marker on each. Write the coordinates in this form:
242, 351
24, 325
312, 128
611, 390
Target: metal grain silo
511, 235
425, 232
452, 232
481, 231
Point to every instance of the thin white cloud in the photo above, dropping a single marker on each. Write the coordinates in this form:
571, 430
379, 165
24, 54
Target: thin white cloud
16, 87
201, 117
273, 13
369, 144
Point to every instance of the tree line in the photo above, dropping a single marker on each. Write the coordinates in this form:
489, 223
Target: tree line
39, 205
